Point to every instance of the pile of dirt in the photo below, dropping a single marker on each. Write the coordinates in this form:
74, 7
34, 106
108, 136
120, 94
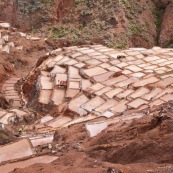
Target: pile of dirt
145, 140
77, 162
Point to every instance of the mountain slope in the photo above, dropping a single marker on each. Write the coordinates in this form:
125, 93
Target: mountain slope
115, 23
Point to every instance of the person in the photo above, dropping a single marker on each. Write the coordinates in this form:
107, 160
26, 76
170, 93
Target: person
20, 130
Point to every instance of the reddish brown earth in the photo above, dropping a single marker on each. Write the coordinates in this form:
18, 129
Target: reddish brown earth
166, 34
116, 23
18, 63
144, 146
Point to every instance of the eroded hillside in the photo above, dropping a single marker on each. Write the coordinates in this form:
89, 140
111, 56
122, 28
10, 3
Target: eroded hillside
115, 23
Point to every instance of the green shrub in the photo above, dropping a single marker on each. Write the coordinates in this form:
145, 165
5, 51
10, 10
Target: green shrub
78, 1
135, 30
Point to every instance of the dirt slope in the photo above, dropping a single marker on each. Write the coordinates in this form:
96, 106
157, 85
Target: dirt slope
18, 63
142, 147
166, 34
114, 23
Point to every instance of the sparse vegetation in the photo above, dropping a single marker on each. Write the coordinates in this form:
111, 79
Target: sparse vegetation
157, 13
65, 31
78, 1
94, 20
47, 1
126, 4
135, 29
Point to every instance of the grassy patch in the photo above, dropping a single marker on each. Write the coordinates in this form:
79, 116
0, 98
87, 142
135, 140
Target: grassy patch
125, 3
135, 29
47, 1
157, 13
99, 25
121, 46
64, 32
78, 1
